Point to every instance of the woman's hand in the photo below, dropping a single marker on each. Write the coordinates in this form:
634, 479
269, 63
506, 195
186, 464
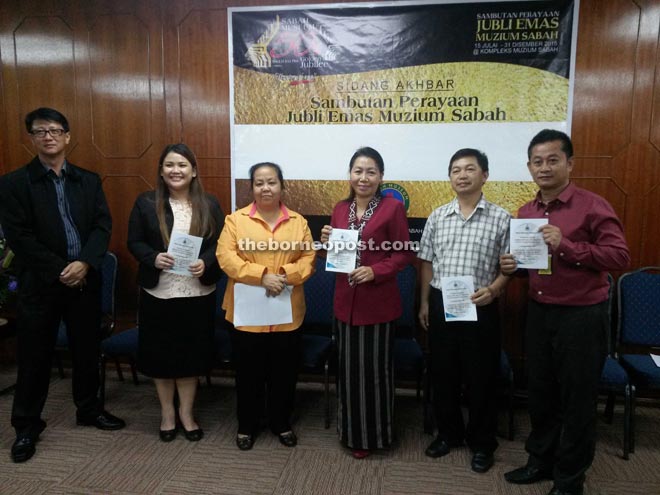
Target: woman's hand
164, 261
325, 233
361, 275
197, 268
273, 283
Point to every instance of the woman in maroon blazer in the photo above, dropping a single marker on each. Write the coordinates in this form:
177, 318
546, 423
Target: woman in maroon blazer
366, 305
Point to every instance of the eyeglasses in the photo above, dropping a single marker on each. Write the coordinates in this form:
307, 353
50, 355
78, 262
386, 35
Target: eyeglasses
41, 133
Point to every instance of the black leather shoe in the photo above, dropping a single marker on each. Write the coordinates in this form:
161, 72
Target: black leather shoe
103, 421
23, 449
288, 439
193, 435
482, 462
527, 474
167, 435
558, 491
438, 448
244, 442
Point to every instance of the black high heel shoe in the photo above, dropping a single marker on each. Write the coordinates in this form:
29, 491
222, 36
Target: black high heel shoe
193, 435
167, 435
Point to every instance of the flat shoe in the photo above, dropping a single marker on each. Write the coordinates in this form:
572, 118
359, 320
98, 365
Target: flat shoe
288, 439
244, 442
167, 435
193, 435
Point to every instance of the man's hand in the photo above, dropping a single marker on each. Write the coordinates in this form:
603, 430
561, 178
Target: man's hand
508, 264
551, 235
483, 296
424, 314
74, 274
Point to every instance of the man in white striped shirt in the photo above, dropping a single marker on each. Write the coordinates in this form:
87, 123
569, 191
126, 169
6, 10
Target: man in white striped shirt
465, 237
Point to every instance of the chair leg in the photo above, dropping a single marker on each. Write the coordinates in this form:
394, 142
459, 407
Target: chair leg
626, 421
609, 407
208, 379
632, 419
120, 374
326, 377
133, 371
102, 381
60, 367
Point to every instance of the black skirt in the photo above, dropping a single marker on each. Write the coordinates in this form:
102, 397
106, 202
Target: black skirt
176, 336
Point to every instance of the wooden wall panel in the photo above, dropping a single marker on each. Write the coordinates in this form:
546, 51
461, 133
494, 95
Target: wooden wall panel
204, 82
124, 186
605, 63
120, 86
45, 70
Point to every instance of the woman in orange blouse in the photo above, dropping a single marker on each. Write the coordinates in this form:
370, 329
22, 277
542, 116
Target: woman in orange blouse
266, 244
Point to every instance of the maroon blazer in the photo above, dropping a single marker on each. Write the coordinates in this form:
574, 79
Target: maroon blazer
377, 301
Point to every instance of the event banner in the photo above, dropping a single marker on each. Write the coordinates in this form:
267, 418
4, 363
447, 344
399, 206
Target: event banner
416, 81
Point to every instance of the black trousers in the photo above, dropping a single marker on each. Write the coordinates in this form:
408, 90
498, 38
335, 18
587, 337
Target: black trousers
39, 313
266, 367
566, 350
465, 354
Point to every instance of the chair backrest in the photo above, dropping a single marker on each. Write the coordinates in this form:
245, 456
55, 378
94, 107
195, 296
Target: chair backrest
109, 268
319, 296
639, 310
407, 280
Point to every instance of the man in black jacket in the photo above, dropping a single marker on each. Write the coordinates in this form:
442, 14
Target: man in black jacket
57, 222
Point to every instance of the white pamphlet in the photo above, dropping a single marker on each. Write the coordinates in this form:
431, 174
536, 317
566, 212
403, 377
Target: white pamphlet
456, 292
342, 251
185, 248
252, 307
527, 245
656, 359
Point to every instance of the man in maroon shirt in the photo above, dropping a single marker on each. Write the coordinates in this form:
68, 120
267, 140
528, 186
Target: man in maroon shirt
567, 319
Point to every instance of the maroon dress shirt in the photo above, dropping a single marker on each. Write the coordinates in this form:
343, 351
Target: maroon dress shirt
592, 244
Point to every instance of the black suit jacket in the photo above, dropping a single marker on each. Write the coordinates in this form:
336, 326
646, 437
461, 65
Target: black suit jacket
145, 241
34, 228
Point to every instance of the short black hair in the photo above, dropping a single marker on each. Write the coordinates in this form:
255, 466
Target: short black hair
547, 135
45, 113
481, 157
272, 165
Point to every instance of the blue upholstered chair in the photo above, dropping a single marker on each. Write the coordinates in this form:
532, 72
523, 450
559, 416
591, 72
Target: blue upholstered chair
409, 359
109, 267
614, 381
317, 344
121, 345
223, 352
639, 331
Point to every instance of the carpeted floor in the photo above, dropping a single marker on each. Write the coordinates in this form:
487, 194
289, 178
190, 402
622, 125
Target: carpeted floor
78, 460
